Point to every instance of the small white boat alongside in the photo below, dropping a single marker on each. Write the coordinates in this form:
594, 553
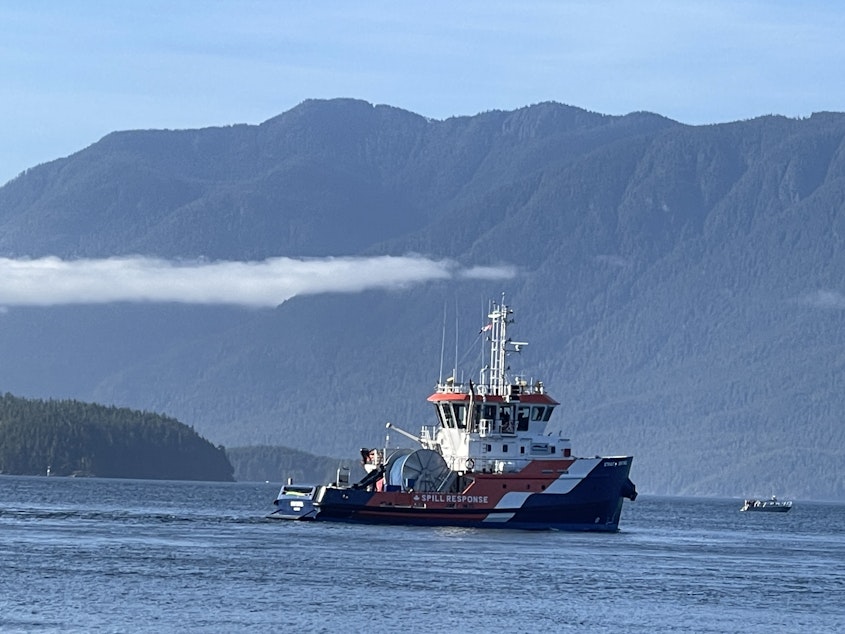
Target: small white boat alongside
294, 502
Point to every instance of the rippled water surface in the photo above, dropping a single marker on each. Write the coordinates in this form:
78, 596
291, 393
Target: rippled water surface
94, 555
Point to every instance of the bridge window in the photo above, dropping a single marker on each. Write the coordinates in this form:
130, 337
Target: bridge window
537, 413
460, 416
522, 413
447, 416
506, 418
476, 417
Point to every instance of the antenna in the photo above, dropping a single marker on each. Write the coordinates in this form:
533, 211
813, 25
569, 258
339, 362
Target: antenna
481, 363
442, 345
455, 370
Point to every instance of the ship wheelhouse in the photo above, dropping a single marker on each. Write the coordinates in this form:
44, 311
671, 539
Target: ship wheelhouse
494, 415
495, 433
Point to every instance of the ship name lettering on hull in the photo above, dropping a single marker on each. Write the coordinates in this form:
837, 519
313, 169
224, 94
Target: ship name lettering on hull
454, 498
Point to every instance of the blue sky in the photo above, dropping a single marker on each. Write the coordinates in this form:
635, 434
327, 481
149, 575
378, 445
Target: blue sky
75, 70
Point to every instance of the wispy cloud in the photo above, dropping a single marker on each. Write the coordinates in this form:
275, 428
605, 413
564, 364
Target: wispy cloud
51, 281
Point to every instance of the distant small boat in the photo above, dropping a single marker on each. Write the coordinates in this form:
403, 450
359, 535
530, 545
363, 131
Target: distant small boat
772, 505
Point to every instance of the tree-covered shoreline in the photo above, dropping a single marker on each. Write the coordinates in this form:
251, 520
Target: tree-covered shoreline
70, 437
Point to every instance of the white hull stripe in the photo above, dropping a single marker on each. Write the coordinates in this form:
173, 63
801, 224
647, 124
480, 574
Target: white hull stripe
512, 500
498, 517
578, 470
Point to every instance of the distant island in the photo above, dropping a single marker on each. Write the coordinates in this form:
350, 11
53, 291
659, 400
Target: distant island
72, 438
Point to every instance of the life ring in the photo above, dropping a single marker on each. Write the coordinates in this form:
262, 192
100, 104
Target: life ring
470, 464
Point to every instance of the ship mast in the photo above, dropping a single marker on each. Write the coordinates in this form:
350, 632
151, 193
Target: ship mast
499, 316
500, 346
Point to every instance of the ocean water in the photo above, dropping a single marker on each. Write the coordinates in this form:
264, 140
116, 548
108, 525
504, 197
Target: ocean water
94, 555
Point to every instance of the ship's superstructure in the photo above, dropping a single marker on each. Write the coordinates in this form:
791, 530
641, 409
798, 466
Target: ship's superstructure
498, 425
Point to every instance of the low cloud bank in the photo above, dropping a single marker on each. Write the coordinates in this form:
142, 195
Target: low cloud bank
52, 281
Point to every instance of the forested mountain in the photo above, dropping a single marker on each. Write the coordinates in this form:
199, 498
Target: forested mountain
278, 464
681, 287
40, 437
